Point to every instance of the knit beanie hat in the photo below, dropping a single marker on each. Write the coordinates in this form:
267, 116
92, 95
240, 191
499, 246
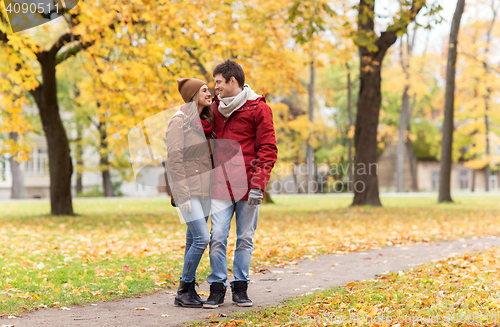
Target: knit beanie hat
188, 87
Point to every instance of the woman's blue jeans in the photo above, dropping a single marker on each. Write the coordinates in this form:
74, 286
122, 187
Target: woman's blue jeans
197, 236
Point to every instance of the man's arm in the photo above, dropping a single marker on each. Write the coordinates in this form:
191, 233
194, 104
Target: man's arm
265, 146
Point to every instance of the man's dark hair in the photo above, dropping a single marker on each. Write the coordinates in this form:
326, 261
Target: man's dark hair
230, 68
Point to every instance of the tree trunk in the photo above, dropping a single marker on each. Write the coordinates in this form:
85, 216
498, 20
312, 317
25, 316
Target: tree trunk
400, 161
107, 186
310, 150
296, 173
60, 165
365, 138
487, 173
409, 146
473, 186
365, 187
267, 196
449, 107
487, 169
413, 165
106, 183
405, 115
79, 158
351, 123
369, 100
487, 96
17, 190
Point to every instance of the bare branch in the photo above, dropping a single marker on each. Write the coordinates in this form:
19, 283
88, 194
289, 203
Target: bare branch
199, 63
482, 62
62, 41
3, 37
388, 37
70, 38
3, 20
412, 43
72, 51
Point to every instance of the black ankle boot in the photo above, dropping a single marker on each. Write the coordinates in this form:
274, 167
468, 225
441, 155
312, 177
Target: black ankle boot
216, 297
185, 296
240, 297
195, 294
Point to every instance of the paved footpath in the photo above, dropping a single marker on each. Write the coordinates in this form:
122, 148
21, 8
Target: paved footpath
266, 289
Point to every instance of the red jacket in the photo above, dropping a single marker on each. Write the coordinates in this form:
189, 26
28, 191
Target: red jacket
245, 150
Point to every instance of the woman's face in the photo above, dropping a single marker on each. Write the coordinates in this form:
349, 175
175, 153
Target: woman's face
204, 97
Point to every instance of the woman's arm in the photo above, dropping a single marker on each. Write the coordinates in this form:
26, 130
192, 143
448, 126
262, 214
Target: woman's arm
175, 160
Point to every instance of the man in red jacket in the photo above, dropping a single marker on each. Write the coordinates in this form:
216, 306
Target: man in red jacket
244, 155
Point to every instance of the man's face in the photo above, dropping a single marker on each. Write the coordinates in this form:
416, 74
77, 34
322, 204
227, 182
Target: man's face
226, 89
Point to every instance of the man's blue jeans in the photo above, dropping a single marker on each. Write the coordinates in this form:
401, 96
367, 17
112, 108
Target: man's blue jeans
196, 236
246, 223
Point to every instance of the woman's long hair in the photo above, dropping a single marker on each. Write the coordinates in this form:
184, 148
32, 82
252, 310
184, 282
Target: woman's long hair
192, 115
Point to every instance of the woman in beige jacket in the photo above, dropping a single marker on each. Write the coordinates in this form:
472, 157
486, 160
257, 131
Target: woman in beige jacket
190, 169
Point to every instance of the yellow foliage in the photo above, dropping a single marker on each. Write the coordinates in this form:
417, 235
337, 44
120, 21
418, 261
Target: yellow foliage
16, 80
350, 134
177, 39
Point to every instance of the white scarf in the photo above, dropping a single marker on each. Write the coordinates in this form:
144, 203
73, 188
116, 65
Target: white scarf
229, 104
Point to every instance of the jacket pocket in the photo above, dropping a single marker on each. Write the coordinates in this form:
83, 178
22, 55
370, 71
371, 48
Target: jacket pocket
237, 174
193, 175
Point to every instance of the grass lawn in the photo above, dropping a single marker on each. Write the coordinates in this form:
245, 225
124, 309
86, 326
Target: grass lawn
121, 247
459, 291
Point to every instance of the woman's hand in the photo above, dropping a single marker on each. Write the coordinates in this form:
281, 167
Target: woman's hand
186, 206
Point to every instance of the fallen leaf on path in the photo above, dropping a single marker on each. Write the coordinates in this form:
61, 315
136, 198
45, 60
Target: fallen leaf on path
164, 315
351, 284
258, 270
231, 323
65, 308
141, 308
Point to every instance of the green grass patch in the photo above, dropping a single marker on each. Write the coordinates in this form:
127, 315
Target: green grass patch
116, 248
